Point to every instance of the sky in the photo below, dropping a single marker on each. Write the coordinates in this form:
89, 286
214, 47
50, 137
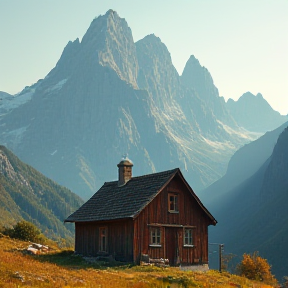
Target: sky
243, 43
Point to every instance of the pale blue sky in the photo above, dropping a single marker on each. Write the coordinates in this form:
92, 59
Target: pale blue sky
243, 43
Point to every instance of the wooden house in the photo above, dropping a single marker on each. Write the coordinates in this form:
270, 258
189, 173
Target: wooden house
157, 215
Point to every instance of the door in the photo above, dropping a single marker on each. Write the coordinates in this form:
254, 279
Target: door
173, 246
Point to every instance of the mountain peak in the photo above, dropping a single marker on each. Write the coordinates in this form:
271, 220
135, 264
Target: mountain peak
111, 12
110, 42
244, 112
194, 75
259, 95
193, 61
151, 41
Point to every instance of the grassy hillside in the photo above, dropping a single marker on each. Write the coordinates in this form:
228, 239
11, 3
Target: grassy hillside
25, 194
63, 269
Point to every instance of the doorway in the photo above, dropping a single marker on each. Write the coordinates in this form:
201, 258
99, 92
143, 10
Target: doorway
173, 246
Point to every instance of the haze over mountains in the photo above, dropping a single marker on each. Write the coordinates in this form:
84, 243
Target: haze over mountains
250, 201
108, 96
254, 113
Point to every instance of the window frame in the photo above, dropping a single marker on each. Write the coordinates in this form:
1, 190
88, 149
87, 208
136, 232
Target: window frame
155, 232
174, 202
103, 248
189, 237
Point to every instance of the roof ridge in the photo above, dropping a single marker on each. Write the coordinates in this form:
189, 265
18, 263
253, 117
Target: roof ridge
146, 175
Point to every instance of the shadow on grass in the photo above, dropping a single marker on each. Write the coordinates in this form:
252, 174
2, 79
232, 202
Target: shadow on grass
67, 258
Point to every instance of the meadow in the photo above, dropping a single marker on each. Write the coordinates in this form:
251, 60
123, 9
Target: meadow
61, 268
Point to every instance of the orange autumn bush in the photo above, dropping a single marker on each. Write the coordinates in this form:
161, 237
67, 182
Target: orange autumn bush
256, 268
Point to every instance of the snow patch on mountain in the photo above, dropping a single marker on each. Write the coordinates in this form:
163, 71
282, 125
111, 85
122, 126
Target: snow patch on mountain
57, 86
9, 103
16, 135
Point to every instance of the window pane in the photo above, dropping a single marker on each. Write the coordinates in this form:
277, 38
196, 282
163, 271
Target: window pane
172, 202
188, 237
155, 236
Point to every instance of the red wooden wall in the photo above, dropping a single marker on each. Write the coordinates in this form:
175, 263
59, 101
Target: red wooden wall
190, 214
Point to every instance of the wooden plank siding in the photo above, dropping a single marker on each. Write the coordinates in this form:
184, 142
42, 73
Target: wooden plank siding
119, 239
122, 221
172, 227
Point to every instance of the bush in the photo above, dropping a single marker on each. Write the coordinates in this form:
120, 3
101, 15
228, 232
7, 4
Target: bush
23, 230
256, 268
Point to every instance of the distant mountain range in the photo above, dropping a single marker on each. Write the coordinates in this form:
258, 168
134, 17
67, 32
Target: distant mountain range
25, 194
250, 201
254, 113
108, 96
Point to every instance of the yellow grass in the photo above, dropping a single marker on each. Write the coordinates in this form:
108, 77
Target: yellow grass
18, 269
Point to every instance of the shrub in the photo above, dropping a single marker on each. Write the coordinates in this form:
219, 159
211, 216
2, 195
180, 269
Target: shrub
25, 231
256, 268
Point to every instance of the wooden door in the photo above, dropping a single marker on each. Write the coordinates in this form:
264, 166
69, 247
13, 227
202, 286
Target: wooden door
172, 245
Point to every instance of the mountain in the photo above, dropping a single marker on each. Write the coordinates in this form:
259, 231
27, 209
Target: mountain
254, 113
252, 214
243, 164
199, 79
27, 195
108, 96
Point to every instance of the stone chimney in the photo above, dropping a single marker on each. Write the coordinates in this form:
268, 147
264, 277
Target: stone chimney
124, 171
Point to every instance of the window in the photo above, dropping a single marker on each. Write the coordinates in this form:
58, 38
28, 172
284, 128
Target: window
103, 239
172, 202
155, 236
188, 240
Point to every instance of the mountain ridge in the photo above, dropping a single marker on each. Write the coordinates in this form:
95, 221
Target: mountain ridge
243, 111
107, 96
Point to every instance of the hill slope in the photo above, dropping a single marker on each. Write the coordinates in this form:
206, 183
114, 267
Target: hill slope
27, 194
63, 269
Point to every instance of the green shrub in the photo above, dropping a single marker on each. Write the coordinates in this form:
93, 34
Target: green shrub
25, 231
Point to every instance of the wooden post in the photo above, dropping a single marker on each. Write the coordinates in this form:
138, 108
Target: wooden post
220, 256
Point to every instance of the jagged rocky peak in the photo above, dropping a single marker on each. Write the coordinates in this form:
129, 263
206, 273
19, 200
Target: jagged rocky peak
110, 40
68, 54
198, 77
244, 112
251, 101
155, 63
154, 46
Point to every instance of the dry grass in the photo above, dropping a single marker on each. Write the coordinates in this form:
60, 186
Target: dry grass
62, 269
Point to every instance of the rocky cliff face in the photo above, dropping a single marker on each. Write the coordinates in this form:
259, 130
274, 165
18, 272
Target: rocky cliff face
254, 113
197, 77
108, 96
110, 41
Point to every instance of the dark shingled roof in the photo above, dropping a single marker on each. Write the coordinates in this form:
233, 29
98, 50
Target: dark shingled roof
113, 202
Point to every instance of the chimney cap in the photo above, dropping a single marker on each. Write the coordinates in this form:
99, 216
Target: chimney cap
125, 161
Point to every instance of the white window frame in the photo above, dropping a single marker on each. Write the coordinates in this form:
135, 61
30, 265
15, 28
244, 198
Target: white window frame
173, 204
188, 237
155, 237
